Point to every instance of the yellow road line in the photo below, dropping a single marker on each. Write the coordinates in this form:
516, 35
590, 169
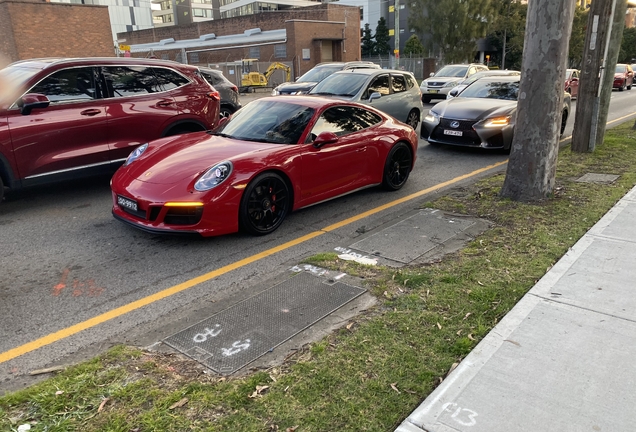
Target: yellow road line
122, 310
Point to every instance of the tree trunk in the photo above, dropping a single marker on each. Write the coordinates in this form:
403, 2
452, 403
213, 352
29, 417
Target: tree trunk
598, 24
616, 37
535, 146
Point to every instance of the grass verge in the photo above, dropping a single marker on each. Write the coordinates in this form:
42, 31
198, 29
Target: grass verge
371, 374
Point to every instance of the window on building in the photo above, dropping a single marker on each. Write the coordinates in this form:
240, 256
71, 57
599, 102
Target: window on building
402, 6
202, 13
167, 18
194, 58
361, 13
255, 52
401, 31
280, 51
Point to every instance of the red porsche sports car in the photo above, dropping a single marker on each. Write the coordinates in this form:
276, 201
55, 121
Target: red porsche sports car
275, 155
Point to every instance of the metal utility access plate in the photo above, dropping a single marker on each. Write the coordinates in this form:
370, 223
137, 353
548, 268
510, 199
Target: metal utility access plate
235, 337
416, 235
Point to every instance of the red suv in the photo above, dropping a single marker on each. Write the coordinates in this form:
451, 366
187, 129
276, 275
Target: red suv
69, 118
623, 77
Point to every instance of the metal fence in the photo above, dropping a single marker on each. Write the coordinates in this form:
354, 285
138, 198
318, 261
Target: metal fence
420, 67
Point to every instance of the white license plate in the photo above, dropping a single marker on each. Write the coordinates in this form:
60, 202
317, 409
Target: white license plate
126, 202
433, 91
452, 132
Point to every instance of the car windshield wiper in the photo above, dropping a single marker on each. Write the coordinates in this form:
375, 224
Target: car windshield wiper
261, 140
325, 94
221, 134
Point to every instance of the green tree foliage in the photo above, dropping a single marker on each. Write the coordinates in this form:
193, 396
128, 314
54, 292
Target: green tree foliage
627, 53
577, 39
413, 47
453, 25
368, 44
382, 46
507, 25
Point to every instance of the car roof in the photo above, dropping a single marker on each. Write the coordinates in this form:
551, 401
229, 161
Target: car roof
44, 63
371, 71
500, 78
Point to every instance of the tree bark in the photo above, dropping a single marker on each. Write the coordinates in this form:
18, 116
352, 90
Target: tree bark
587, 101
535, 146
616, 36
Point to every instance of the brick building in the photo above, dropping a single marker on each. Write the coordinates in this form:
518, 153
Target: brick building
300, 38
31, 29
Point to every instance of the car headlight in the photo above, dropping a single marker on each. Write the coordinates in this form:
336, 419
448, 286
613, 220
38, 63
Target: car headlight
299, 92
497, 121
431, 117
135, 154
424, 85
214, 176
275, 92
450, 84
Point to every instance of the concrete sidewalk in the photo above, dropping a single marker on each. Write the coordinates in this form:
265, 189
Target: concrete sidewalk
563, 358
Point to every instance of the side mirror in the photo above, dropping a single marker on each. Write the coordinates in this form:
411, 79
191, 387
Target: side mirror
453, 92
31, 101
374, 95
432, 73
325, 138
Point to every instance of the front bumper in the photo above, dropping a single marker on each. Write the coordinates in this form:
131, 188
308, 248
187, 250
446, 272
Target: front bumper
472, 134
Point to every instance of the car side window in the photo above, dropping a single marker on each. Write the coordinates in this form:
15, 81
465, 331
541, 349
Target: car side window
69, 85
398, 83
123, 81
168, 79
344, 120
380, 84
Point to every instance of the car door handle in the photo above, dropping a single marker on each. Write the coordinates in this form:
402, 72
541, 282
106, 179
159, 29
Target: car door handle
362, 149
90, 112
164, 103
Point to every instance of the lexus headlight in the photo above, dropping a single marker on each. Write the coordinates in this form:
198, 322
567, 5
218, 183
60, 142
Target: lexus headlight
497, 121
450, 84
214, 176
431, 117
135, 154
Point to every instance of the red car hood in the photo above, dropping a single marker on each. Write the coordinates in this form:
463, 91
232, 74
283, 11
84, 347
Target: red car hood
188, 156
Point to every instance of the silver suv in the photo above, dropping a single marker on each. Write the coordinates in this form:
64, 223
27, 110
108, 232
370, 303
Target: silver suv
317, 74
441, 82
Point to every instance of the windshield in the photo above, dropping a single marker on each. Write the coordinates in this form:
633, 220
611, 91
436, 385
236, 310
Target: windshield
342, 84
12, 79
492, 89
452, 71
620, 68
268, 121
318, 74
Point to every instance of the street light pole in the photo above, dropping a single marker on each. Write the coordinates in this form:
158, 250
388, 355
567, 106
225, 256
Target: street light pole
396, 49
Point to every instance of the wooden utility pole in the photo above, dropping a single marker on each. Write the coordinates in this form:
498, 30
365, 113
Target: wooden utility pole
535, 146
588, 103
614, 44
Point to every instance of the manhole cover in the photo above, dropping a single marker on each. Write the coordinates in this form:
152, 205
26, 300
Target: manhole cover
237, 336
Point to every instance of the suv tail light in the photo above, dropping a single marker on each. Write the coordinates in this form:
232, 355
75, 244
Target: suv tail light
235, 88
215, 95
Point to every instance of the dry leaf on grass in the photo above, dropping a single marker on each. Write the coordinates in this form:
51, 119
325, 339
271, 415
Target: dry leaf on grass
395, 388
439, 326
258, 392
470, 336
101, 405
467, 315
178, 404
291, 429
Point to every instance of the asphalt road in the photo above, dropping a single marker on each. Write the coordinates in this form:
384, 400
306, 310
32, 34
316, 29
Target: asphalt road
75, 280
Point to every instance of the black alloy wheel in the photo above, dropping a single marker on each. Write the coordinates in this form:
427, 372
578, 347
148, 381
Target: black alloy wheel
413, 119
265, 204
397, 167
225, 111
621, 88
1, 190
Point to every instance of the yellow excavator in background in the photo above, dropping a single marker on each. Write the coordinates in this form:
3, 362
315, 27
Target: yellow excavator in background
250, 79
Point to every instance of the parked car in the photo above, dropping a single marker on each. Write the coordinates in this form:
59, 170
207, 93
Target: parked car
275, 155
441, 82
392, 91
483, 115
227, 89
317, 74
623, 77
474, 77
68, 118
572, 82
